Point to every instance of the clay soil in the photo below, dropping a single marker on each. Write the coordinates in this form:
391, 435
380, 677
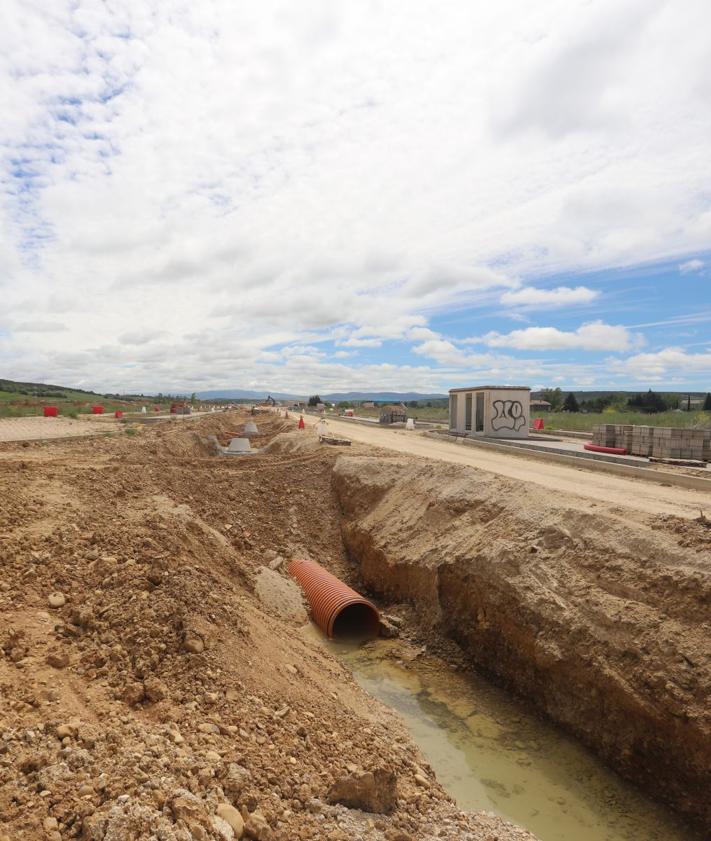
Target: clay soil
154, 680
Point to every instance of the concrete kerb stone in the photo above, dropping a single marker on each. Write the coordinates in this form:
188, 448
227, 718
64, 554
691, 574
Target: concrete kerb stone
644, 473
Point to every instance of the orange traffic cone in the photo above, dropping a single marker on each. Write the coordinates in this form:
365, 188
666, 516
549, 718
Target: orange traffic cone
302, 425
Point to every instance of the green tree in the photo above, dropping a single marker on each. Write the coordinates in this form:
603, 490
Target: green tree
707, 403
570, 404
554, 396
314, 400
651, 402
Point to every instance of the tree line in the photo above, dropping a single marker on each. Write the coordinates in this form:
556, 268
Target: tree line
649, 402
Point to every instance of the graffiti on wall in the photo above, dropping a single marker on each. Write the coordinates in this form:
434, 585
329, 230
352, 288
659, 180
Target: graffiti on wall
509, 415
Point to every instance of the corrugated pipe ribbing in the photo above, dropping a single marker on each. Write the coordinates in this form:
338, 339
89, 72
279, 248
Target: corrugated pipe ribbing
336, 608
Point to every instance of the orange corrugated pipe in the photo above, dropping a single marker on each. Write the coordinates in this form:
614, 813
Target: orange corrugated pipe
336, 608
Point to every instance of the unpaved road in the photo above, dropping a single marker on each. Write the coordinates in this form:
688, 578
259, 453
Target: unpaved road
38, 428
614, 492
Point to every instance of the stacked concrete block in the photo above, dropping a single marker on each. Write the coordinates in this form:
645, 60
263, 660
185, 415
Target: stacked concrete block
623, 436
604, 435
641, 443
656, 441
679, 443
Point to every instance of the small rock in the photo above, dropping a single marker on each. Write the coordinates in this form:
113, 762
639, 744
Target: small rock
222, 829
372, 791
208, 727
50, 824
230, 815
63, 731
256, 827
155, 689
58, 659
56, 599
387, 629
134, 693
194, 645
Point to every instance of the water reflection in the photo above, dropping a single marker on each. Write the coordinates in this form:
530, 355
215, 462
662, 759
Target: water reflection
489, 753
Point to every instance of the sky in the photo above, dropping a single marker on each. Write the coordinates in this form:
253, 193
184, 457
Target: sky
356, 195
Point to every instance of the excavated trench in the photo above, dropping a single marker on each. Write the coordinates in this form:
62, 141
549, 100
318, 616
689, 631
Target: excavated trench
491, 753
597, 622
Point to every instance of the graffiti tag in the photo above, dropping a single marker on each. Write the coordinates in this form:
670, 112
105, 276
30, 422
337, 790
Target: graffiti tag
509, 415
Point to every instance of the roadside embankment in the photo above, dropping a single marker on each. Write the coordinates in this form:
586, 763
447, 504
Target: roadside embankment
601, 622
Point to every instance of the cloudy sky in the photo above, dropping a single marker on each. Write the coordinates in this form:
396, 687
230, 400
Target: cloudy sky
347, 195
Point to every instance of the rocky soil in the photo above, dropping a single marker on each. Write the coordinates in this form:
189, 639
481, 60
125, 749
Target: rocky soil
599, 616
154, 682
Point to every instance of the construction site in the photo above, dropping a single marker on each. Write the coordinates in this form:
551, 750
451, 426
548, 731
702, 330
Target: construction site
519, 653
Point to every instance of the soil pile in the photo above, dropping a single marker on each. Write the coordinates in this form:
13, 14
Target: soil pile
601, 620
146, 691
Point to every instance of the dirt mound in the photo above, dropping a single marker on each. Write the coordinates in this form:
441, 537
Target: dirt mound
601, 622
302, 441
145, 689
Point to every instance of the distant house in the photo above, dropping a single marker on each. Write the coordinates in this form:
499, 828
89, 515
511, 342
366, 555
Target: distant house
368, 404
690, 405
393, 414
540, 406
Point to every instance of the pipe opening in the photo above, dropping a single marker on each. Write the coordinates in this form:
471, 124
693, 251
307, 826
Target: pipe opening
356, 622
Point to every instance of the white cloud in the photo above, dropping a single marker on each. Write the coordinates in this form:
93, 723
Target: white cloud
561, 296
670, 364
691, 266
595, 336
239, 176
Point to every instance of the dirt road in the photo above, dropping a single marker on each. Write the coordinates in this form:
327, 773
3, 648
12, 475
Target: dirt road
36, 428
613, 492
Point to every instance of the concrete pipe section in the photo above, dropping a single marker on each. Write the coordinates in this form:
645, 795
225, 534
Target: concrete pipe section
250, 428
239, 447
337, 609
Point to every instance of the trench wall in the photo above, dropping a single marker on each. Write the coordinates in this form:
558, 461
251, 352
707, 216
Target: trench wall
600, 621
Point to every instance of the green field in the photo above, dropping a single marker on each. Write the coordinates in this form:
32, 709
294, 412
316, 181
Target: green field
579, 422
26, 399
574, 421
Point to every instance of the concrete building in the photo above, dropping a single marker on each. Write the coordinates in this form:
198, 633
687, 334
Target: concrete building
496, 411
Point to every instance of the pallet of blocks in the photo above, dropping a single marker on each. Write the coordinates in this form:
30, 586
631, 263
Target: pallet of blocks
678, 443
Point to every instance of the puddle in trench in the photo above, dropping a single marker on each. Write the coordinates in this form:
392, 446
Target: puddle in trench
490, 754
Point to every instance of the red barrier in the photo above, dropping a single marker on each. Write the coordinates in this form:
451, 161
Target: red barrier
97, 410
118, 413
538, 423
596, 448
51, 411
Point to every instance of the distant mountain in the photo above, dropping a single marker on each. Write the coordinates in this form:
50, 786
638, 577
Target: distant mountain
381, 396
243, 394
335, 397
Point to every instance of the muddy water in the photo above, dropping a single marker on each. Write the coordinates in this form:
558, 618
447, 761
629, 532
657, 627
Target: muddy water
490, 754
